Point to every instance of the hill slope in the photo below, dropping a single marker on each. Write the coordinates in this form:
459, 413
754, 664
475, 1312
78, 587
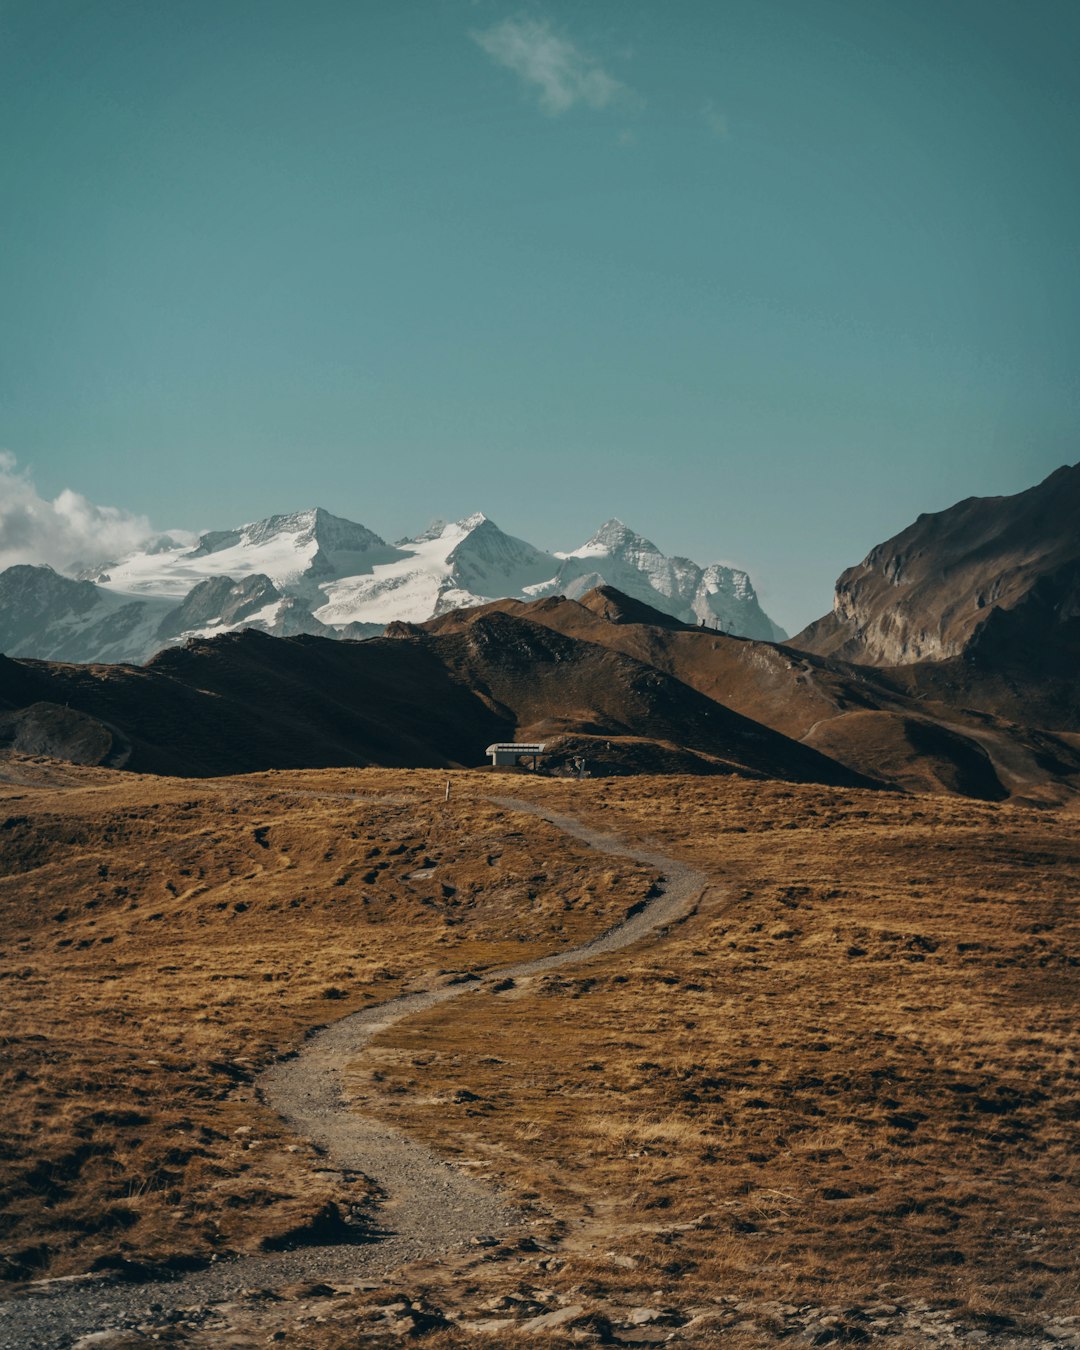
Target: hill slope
246, 701
917, 727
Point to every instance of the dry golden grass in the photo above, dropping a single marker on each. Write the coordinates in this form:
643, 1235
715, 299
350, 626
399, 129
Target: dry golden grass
853, 1072
162, 940
852, 1076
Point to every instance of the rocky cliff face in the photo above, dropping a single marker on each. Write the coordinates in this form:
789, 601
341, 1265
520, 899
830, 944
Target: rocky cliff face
987, 571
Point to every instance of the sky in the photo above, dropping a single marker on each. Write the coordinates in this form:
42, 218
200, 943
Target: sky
764, 278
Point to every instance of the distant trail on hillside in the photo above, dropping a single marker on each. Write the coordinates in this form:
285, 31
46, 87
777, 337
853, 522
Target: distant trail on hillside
430, 1207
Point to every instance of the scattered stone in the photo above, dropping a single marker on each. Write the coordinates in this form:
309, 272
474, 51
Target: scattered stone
417, 1322
705, 1321
301, 1289
558, 1318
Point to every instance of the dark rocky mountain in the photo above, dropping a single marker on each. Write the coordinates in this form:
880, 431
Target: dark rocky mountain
45, 614
994, 574
219, 600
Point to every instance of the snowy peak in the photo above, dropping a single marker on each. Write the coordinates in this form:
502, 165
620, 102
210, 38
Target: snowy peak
451, 531
313, 572
316, 526
446, 567
486, 559
295, 551
615, 537
716, 596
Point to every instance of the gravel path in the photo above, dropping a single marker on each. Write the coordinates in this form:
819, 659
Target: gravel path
430, 1206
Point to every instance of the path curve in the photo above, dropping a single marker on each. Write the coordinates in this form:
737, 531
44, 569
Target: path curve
430, 1206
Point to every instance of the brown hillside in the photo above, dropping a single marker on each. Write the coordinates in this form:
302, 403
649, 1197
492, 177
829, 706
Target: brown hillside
918, 727
244, 702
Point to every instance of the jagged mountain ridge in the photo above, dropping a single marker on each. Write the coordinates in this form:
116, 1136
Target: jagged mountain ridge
717, 596
316, 573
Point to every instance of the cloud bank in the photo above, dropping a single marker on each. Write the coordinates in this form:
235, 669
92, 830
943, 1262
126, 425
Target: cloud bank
64, 532
560, 74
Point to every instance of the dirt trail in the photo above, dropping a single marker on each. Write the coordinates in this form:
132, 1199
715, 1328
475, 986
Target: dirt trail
430, 1207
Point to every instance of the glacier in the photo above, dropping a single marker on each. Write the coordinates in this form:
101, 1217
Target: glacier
314, 572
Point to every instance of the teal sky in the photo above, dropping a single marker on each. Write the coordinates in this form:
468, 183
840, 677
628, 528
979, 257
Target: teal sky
765, 278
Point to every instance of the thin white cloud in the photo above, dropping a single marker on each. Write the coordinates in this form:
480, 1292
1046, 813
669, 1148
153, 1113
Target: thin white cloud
559, 73
64, 532
714, 119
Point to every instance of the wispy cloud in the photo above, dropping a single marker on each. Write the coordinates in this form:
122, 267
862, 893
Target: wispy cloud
63, 532
714, 119
558, 71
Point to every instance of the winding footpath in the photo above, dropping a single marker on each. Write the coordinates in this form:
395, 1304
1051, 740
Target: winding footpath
430, 1207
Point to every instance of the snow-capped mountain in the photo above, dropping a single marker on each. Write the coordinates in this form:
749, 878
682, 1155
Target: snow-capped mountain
293, 551
446, 567
618, 557
52, 617
313, 572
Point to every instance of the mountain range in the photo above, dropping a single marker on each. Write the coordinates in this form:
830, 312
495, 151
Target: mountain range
989, 586
315, 573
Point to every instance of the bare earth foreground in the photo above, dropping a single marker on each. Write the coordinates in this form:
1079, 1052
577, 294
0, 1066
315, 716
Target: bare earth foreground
817, 1083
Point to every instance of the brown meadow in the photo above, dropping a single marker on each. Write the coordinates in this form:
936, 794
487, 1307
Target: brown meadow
853, 1072
164, 940
850, 1076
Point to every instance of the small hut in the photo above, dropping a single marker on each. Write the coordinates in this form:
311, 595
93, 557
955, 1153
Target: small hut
507, 753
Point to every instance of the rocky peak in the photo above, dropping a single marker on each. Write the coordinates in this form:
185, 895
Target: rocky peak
616, 537
29, 586
935, 589
487, 558
219, 600
316, 526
